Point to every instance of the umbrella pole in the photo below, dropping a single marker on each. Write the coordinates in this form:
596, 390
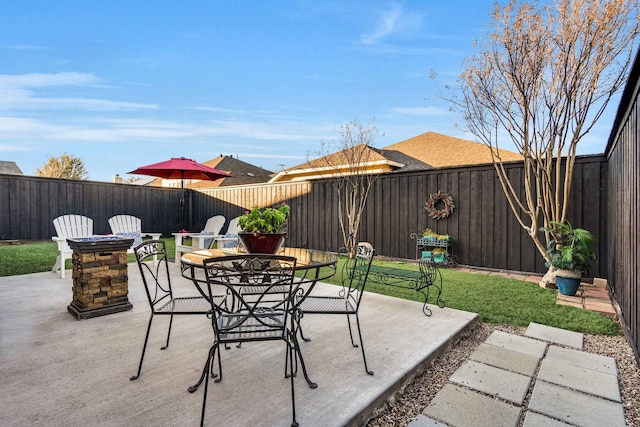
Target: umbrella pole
182, 200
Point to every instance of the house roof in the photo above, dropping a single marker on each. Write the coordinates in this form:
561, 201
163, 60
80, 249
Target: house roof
10, 168
438, 151
243, 173
427, 151
341, 163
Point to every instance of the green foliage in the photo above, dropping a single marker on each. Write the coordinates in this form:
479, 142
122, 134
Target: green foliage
569, 248
267, 220
66, 166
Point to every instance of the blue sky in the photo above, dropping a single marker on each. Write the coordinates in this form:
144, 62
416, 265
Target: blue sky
128, 83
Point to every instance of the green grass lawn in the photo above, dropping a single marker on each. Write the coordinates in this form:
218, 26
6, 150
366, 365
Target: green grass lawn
501, 300
496, 299
40, 256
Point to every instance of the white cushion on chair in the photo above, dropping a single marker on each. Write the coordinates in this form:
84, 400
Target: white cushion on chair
135, 235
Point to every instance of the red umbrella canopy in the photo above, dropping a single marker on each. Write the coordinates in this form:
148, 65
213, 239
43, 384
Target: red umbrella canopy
181, 168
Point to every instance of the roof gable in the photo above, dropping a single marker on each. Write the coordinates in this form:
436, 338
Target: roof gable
352, 160
243, 173
10, 168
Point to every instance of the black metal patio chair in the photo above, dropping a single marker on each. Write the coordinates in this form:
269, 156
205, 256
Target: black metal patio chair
262, 289
355, 272
157, 283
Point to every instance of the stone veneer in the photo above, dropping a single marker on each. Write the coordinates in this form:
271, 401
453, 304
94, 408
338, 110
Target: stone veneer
100, 282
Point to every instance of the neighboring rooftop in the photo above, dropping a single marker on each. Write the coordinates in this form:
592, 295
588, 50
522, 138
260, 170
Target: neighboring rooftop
340, 162
430, 150
9, 168
439, 151
243, 173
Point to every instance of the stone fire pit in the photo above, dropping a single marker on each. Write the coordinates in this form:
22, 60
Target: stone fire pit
100, 276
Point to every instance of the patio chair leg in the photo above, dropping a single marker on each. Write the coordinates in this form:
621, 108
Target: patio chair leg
353, 343
208, 366
298, 356
302, 335
168, 333
217, 377
144, 348
291, 351
364, 358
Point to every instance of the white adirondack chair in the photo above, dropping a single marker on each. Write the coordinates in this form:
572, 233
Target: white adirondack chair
212, 230
69, 227
201, 240
131, 227
230, 239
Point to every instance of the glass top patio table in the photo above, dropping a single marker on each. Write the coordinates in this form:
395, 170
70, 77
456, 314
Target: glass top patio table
311, 267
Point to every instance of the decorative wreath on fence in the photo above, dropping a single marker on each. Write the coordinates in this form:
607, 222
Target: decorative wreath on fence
431, 205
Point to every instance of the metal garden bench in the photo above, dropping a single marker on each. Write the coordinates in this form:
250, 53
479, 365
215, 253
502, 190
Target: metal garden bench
421, 280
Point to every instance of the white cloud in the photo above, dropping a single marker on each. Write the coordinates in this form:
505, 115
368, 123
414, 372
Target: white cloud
385, 25
127, 130
21, 100
23, 47
394, 21
218, 110
18, 92
32, 80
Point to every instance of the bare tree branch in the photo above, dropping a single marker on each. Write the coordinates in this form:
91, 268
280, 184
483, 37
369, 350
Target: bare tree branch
354, 165
541, 79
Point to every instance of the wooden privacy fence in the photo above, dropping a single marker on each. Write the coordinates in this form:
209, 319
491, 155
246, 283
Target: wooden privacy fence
485, 233
483, 229
29, 205
623, 208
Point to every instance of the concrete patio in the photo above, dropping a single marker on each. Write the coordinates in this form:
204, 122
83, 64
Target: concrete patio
59, 371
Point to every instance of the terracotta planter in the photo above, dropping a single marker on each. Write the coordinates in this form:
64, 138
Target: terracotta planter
262, 243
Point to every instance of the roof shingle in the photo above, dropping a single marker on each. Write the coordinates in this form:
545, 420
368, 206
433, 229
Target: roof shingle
438, 151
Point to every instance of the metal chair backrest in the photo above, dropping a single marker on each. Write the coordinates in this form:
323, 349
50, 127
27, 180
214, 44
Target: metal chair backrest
155, 276
258, 306
259, 291
355, 271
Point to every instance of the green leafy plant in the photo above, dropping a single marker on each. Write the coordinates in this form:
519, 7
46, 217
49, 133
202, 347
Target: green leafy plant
267, 220
569, 248
428, 233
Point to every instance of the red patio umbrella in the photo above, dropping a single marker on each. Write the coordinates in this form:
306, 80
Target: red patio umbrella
181, 168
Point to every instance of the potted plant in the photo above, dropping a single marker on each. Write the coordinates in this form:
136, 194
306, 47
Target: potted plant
439, 255
429, 234
569, 253
263, 229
